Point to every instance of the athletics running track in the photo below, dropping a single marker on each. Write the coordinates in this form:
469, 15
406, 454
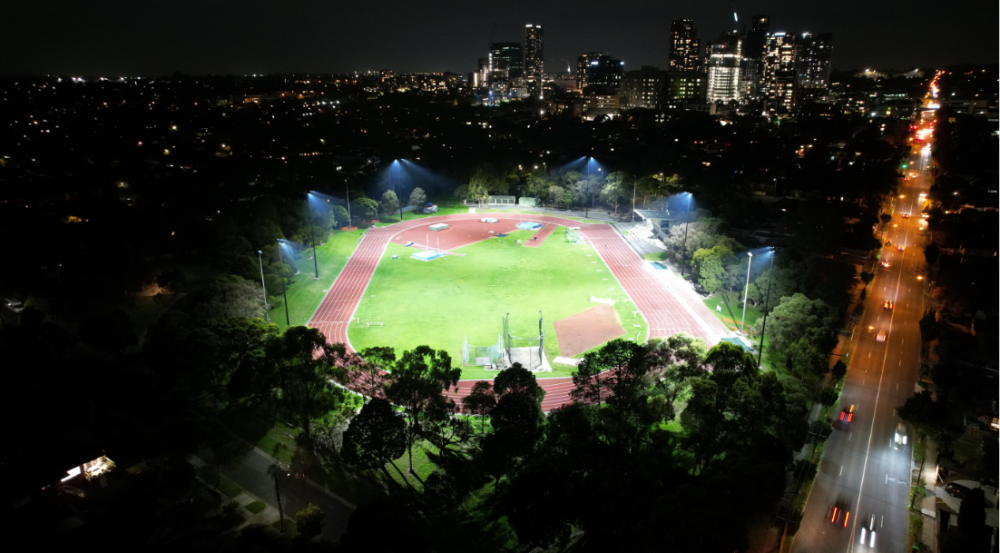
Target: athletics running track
667, 310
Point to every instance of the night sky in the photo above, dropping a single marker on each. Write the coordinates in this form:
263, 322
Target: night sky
142, 37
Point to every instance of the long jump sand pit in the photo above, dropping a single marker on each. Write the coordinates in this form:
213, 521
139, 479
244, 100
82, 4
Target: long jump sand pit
459, 233
587, 329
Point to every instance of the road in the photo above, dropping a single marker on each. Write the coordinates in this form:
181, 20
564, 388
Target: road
861, 464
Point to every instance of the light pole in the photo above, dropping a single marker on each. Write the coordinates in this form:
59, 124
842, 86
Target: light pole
767, 296
743, 320
312, 236
586, 208
687, 218
632, 220
284, 287
348, 189
260, 259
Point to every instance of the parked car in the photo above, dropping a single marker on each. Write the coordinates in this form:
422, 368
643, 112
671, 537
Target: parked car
957, 490
14, 304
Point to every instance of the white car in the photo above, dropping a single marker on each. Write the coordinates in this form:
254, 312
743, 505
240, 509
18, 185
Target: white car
900, 439
868, 531
14, 304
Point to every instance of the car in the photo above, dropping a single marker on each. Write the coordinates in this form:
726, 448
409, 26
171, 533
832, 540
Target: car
906, 215
900, 248
840, 513
880, 337
888, 304
885, 264
868, 531
888, 242
957, 490
925, 215
900, 438
14, 304
847, 414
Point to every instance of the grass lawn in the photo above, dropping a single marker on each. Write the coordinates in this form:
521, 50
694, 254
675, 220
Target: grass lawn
422, 464
437, 303
658, 256
305, 293
228, 487
290, 529
256, 507
732, 310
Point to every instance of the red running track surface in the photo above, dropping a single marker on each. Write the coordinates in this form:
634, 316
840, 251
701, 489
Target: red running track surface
667, 311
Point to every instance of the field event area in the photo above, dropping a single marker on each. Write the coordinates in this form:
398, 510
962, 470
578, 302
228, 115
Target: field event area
467, 293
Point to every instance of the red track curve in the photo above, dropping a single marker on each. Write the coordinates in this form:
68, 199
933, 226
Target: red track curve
665, 313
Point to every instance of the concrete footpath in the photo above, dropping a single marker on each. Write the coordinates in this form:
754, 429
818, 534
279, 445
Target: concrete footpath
255, 474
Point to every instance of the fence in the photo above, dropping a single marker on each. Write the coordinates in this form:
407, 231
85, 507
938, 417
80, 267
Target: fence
528, 351
482, 355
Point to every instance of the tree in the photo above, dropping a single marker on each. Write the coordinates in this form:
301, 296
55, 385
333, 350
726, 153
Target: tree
555, 194
376, 436
615, 189
241, 357
930, 329
304, 363
372, 376
228, 297
827, 396
418, 198
518, 380
111, 332
710, 265
309, 521
419, 378
799, 317
932, 252
927, 416
839, 370
389, 203
367, 208
340, 214
518, 424
480, 402
614, 368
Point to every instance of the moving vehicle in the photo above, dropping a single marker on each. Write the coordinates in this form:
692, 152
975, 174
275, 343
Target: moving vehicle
900, 438
880, 337
884, 264
868, 531
900, 248
847, 414
888, 304
957, 490
839, 513
14, 304
906, 215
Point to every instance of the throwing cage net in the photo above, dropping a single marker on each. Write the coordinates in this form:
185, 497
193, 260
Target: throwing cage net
529, 351
481, 356
573, 236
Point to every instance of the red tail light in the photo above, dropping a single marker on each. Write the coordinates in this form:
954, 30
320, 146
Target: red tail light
849, 417
841, 415
847, 517
834, 517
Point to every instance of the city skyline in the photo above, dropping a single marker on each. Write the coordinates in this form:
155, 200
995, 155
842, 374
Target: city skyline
113, 40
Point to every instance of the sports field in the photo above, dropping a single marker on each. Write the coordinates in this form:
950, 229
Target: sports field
438, 302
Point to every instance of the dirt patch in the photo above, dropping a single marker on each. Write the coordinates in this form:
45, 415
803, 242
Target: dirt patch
588, 329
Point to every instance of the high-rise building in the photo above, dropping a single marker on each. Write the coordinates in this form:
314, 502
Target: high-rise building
813, 65
598, 69
685, 48
644, 89
506, 61
686, 87
752, 69
724, 57
534, 51
781, 54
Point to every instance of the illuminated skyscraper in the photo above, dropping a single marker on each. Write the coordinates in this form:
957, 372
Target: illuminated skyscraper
534, 51
752, 70
506, 61
724, 68
781, 54
685, 48
813, 66
598, 69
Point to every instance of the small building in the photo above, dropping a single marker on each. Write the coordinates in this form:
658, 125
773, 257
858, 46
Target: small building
501, 200
658, 221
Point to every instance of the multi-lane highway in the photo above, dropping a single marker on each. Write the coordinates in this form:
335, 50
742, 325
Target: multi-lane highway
862, 465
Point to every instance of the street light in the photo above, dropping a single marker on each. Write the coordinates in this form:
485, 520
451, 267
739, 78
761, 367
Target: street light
767, 296
687, 219
312, 236
746, 291
633, 200
260, 259
284, 287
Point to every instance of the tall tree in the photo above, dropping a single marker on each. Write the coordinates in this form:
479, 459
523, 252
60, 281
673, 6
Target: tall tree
419, 378
376, 436
480, 402
517, 379
418, 198
389, 203
372, 376
304, 365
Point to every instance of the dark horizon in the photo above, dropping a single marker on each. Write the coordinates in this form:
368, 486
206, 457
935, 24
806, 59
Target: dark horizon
121, 39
